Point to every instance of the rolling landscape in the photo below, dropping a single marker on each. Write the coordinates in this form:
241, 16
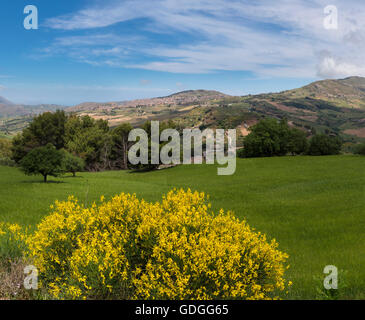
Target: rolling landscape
250, 187
331, 106
312, 205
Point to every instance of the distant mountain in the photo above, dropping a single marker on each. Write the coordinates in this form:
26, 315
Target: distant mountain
5, 102
9, 109
181, 98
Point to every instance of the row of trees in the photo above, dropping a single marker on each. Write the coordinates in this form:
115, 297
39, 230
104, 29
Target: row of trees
55, 143
270, 138
90, 140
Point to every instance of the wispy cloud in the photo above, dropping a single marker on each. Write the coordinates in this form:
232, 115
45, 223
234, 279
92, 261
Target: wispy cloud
282, 38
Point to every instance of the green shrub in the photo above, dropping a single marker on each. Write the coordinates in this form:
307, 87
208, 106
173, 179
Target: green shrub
71, 163
5, 148
360, 149
270, 138
322, 145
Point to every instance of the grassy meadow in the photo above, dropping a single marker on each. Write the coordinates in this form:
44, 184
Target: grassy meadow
313, 206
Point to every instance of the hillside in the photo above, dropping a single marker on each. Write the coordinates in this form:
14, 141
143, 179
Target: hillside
330, 106
5, 102
138, 111
181, 98
15, 117
348, 92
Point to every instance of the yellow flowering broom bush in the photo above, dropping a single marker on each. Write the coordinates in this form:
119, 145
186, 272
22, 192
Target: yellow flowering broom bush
174, 249
12, 241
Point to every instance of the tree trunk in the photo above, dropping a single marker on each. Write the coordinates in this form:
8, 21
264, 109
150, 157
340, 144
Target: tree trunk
45, 178
125, 156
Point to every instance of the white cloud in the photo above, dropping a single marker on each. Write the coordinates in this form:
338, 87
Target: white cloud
331, 67
279, 38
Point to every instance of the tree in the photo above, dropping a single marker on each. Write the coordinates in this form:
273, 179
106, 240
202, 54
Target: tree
360, 149
298, 142
321, 145
270, 138
46, 161
267, 138
71, 163
90, 140
45, 128
121, 145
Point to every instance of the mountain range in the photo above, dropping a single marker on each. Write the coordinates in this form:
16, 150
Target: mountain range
331, 106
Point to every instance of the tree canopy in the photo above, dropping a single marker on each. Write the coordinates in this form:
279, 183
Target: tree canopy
270, 137
321, 145
46, 161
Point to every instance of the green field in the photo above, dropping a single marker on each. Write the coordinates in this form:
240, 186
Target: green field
313, 206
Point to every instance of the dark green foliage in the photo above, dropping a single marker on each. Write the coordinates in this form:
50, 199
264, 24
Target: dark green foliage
360, 149
71, 163
44, 129
321, 145
46, 161
84, 137
90, 140
298, 142
241, 153
270, 138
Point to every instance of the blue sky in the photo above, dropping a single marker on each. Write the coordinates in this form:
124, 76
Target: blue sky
113, 50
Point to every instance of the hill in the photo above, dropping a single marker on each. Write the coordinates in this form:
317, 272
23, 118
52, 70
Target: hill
5, 102
15, 117
348, 92
330, 106
181, 98
138, 111
15, 110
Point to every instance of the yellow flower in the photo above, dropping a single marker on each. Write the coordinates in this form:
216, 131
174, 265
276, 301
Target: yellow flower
174, 249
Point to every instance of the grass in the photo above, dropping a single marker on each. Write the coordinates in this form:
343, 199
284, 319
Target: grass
313, 206
4, 136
